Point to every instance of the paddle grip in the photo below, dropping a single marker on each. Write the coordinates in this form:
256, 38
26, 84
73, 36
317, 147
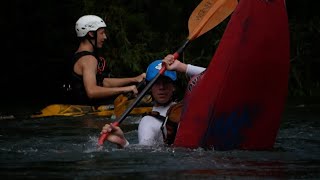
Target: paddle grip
176, 55
104, 136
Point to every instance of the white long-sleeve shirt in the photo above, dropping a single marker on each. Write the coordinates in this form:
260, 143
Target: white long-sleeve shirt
194, 70
149, 132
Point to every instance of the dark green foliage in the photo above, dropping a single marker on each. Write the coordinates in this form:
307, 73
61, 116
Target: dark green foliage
141, 31
304, 22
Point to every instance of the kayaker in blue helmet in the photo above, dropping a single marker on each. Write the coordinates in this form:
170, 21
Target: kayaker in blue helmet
151, 129
153, 125
90, 81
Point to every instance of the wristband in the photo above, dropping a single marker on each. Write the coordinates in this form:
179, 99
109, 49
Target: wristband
127, 144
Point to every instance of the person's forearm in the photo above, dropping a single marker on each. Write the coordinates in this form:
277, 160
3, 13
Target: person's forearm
105, 92
116, 82
192, 70
181, 67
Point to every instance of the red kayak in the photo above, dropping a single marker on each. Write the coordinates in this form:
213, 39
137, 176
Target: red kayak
238, 102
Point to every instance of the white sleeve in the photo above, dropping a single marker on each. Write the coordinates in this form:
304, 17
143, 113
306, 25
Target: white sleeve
148, 131
194, 70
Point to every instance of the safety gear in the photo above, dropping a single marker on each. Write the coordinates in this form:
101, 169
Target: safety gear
154, 68
170, 123
88, 23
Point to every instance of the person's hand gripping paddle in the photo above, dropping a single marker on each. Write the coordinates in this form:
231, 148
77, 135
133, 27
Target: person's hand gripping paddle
124, 100
207, 15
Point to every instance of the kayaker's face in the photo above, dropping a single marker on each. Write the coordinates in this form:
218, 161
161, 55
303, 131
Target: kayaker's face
162, 90
101, 37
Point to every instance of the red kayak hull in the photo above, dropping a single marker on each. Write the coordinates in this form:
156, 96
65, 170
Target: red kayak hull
238, 102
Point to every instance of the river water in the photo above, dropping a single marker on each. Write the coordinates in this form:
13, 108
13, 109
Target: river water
66, 148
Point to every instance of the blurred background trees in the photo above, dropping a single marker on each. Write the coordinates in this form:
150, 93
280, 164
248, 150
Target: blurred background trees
41, 35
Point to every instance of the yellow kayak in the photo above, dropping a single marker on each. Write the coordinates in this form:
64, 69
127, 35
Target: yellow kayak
110, 110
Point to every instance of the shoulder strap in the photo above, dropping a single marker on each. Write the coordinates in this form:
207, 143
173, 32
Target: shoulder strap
78, 55
157, 115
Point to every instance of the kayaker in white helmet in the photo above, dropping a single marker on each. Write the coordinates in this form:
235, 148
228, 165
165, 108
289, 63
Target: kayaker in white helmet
90, 79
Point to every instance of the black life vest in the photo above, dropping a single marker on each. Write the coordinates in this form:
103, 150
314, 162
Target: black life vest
78, 92
102, 70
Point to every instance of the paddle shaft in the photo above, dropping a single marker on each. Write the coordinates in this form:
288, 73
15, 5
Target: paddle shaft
103, 136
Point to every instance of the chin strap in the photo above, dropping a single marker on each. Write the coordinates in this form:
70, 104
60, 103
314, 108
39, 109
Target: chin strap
95, 37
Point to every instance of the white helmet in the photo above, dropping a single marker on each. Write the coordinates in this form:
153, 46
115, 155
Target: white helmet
88, 23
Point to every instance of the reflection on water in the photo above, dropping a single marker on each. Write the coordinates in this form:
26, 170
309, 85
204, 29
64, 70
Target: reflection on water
66, 147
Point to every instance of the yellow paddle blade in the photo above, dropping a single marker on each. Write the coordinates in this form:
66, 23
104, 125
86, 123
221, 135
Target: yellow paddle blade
208, 14
120, 100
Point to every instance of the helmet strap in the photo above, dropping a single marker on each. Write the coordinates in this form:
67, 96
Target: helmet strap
95, 37
96, 40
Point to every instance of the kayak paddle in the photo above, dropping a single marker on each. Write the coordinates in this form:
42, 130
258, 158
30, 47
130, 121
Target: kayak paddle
207, 15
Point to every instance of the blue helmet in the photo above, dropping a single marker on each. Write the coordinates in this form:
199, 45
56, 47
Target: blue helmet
154, 68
